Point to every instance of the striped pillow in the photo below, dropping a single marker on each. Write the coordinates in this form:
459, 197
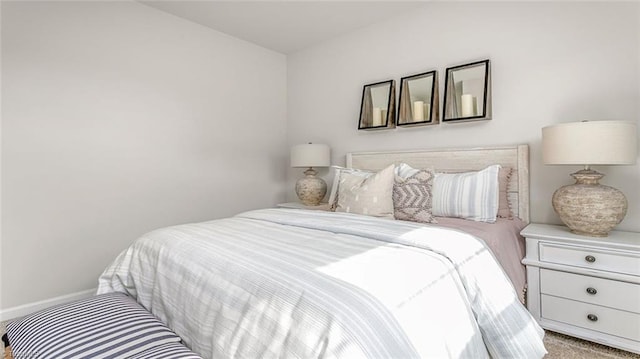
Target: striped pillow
111, 325
470, 195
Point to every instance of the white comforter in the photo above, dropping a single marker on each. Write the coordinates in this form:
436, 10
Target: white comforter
292, 283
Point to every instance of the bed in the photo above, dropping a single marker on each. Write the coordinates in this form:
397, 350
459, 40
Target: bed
299, 283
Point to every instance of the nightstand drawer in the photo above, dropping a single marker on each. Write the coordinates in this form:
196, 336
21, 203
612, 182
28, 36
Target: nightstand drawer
587, 257
606, 292
589, 316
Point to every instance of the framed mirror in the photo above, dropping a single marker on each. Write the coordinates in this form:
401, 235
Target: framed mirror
467, 94
378, 109
418, 104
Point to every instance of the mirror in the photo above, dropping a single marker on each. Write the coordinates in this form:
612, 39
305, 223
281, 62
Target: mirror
467, 92
377, 110
418, 103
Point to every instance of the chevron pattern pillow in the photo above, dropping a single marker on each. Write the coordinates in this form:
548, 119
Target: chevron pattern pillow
412, 197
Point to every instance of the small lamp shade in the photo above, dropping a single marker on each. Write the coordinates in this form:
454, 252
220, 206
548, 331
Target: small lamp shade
588, 207
590, 143
310, 155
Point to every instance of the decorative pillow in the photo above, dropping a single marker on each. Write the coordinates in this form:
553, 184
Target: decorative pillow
412, 197
372, 195
405, 171
333, 195
504, 210
470, 195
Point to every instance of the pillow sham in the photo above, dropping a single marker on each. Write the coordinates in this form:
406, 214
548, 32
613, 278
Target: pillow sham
412, 197
403, 170
504, 210
469, 195
371, 195
504, 175
333, 195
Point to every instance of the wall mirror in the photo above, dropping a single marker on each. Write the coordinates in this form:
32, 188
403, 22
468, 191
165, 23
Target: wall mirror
468, 92
377, 110
418, 104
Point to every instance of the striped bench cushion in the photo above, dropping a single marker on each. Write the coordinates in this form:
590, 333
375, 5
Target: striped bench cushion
167, 351
111, 325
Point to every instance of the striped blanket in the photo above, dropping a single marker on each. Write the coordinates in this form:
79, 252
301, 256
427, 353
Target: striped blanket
294, 283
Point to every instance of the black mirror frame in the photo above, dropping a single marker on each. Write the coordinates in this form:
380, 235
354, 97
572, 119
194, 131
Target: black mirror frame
434, 116
389, 121
486, 105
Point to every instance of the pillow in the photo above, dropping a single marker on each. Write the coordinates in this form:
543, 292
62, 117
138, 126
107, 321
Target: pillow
371, 195
405, 171
412, 197
333, 195
504, 210
470, 195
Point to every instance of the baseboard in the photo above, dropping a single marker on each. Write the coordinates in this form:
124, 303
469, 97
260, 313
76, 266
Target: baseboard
22, 310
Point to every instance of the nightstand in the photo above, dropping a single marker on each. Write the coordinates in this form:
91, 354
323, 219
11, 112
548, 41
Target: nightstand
298, 205
587, 287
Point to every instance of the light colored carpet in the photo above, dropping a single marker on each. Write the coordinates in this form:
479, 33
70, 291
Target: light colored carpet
559, 347
562, 346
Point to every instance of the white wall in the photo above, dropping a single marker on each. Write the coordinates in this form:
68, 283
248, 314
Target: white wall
550, 62
118, 119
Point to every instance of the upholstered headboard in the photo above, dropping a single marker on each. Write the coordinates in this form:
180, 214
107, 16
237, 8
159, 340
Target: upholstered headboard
460, 160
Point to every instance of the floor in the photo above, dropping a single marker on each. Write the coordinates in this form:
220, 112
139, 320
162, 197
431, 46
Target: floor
562, 346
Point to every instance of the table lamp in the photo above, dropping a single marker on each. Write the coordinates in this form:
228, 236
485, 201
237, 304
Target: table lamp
587, 207
310, 189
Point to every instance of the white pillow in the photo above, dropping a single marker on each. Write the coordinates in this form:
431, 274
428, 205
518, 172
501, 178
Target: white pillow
405, 171
402, 170
333, 195
469, 195
371, 195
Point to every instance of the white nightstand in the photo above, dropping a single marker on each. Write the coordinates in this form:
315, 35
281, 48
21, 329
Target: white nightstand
587, 287
298, 205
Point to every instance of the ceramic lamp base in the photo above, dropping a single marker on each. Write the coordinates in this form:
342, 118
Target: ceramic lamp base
311, 189
589, 208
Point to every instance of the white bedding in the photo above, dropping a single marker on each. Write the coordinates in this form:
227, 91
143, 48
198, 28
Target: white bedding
295, 283
504, 239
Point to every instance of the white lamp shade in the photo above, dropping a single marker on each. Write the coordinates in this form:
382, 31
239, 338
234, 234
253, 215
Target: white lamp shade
310, 155
590, 143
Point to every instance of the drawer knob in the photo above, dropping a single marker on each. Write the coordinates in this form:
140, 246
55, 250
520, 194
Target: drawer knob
590, 258
592, 317
592, 291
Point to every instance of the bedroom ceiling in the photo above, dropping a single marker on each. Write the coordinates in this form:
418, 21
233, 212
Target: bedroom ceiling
284, 26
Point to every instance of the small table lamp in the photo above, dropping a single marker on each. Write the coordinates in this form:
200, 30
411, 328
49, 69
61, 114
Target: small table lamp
310, 189
587, 207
